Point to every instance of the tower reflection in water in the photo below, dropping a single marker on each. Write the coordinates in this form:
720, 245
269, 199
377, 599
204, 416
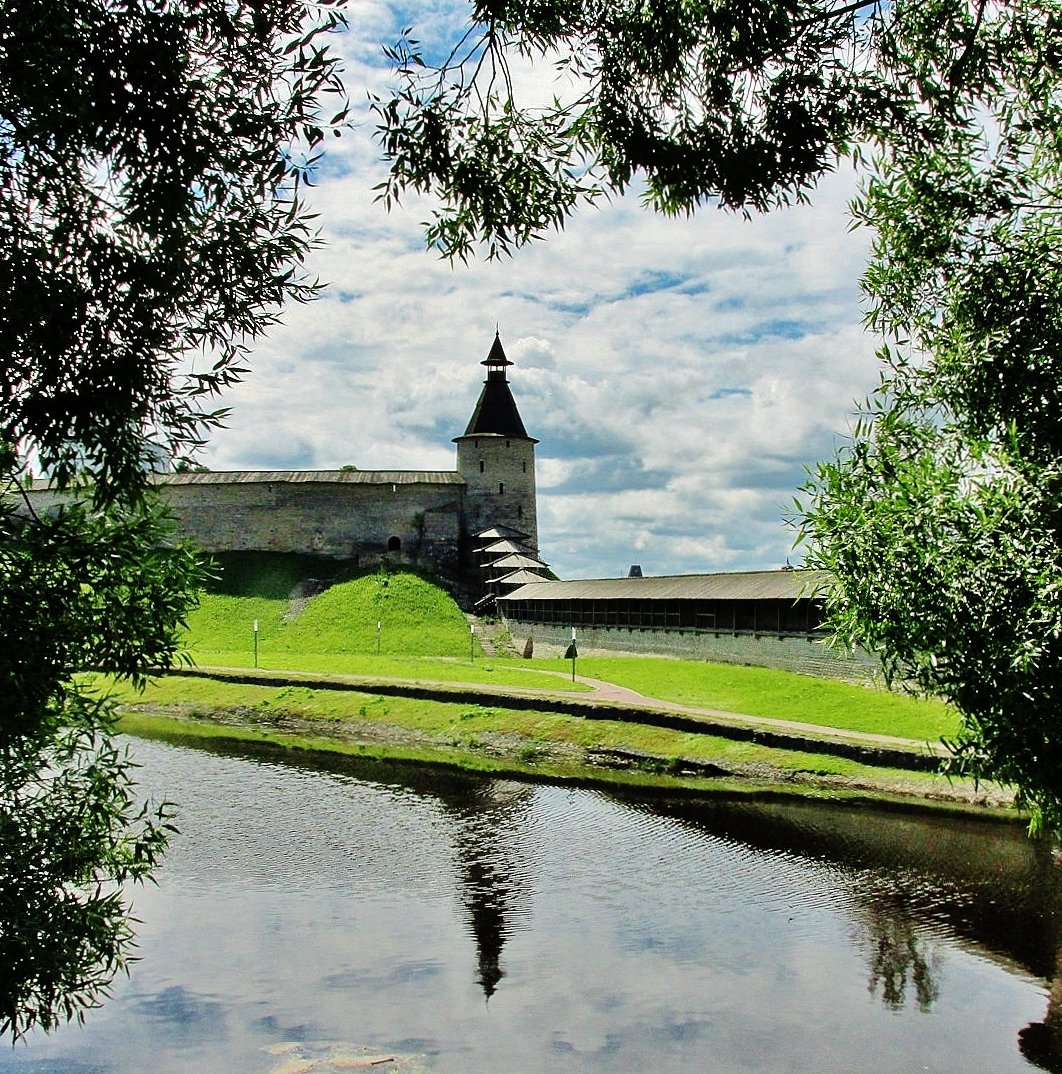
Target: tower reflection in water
911, 883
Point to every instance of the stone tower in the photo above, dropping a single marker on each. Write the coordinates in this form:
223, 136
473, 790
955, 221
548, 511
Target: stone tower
496, 458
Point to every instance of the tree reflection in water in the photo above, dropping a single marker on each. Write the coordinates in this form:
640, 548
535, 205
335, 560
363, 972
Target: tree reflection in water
900, 958
1041, 1042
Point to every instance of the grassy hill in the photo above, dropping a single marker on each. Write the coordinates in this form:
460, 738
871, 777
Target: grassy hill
415, 617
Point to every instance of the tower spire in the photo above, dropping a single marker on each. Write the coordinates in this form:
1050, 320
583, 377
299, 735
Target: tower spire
496, 410
496, 361
496, 458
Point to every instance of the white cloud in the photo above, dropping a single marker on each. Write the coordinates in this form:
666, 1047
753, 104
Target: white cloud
680, 373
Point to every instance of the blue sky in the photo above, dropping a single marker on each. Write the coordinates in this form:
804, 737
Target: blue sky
679, 373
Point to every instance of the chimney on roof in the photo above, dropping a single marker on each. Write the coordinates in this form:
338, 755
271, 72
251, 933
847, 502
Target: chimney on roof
635, 571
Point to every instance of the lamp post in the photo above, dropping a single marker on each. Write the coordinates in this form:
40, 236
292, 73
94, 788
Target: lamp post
572, 653
379, 627
471, 643
256, 643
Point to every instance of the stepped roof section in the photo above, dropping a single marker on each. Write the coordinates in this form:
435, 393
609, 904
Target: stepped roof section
496, 413
506, 548
516, 561
522, 578
498, 533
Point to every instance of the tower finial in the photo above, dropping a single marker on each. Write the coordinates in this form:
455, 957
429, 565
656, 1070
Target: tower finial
496, 360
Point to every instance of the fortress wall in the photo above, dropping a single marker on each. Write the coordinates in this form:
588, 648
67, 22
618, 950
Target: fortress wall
800, 653
342, 520
346, 521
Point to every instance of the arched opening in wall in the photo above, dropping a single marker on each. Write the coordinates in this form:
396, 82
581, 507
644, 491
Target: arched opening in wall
394, 544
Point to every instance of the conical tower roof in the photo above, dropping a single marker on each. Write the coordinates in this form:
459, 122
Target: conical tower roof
496, 412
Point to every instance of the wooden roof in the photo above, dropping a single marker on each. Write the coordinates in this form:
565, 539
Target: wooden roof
738, 585
506, 548
515, 561
330, 477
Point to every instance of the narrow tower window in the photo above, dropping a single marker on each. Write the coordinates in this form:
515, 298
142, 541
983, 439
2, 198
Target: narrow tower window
525, 466
501, 489
481, 466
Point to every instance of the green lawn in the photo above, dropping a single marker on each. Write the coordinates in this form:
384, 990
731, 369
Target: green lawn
460, 725
402, 626
415, 618
778, 694
483, 671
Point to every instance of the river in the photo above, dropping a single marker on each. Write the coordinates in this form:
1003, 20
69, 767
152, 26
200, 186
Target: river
319, 914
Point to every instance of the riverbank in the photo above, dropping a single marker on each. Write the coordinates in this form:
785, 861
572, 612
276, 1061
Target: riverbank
604, 734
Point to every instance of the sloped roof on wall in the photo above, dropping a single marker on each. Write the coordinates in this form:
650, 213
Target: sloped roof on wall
338, 477
742, 585
516, 560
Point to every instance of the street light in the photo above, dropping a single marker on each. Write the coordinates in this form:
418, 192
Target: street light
379, 627
256, 643
471, 643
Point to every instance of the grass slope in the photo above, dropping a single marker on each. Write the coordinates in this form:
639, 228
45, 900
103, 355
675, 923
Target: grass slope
423, 635
781, 695
459, 726
416, 618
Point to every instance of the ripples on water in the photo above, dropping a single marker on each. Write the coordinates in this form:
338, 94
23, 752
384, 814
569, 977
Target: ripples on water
333, 908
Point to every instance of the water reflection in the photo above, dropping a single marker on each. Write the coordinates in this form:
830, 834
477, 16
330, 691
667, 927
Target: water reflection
486, 821
324, 899
900, 957
489, 824
1041, 1042
982, 883
493, 889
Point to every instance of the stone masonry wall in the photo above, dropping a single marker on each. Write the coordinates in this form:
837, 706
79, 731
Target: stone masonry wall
343, 520
500, 474
800, 653
346, 521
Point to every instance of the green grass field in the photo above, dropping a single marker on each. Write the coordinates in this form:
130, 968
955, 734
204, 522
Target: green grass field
415, 617
423, 635
460, 725
778, 694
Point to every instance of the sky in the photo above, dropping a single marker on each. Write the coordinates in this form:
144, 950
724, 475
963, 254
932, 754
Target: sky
680, 374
